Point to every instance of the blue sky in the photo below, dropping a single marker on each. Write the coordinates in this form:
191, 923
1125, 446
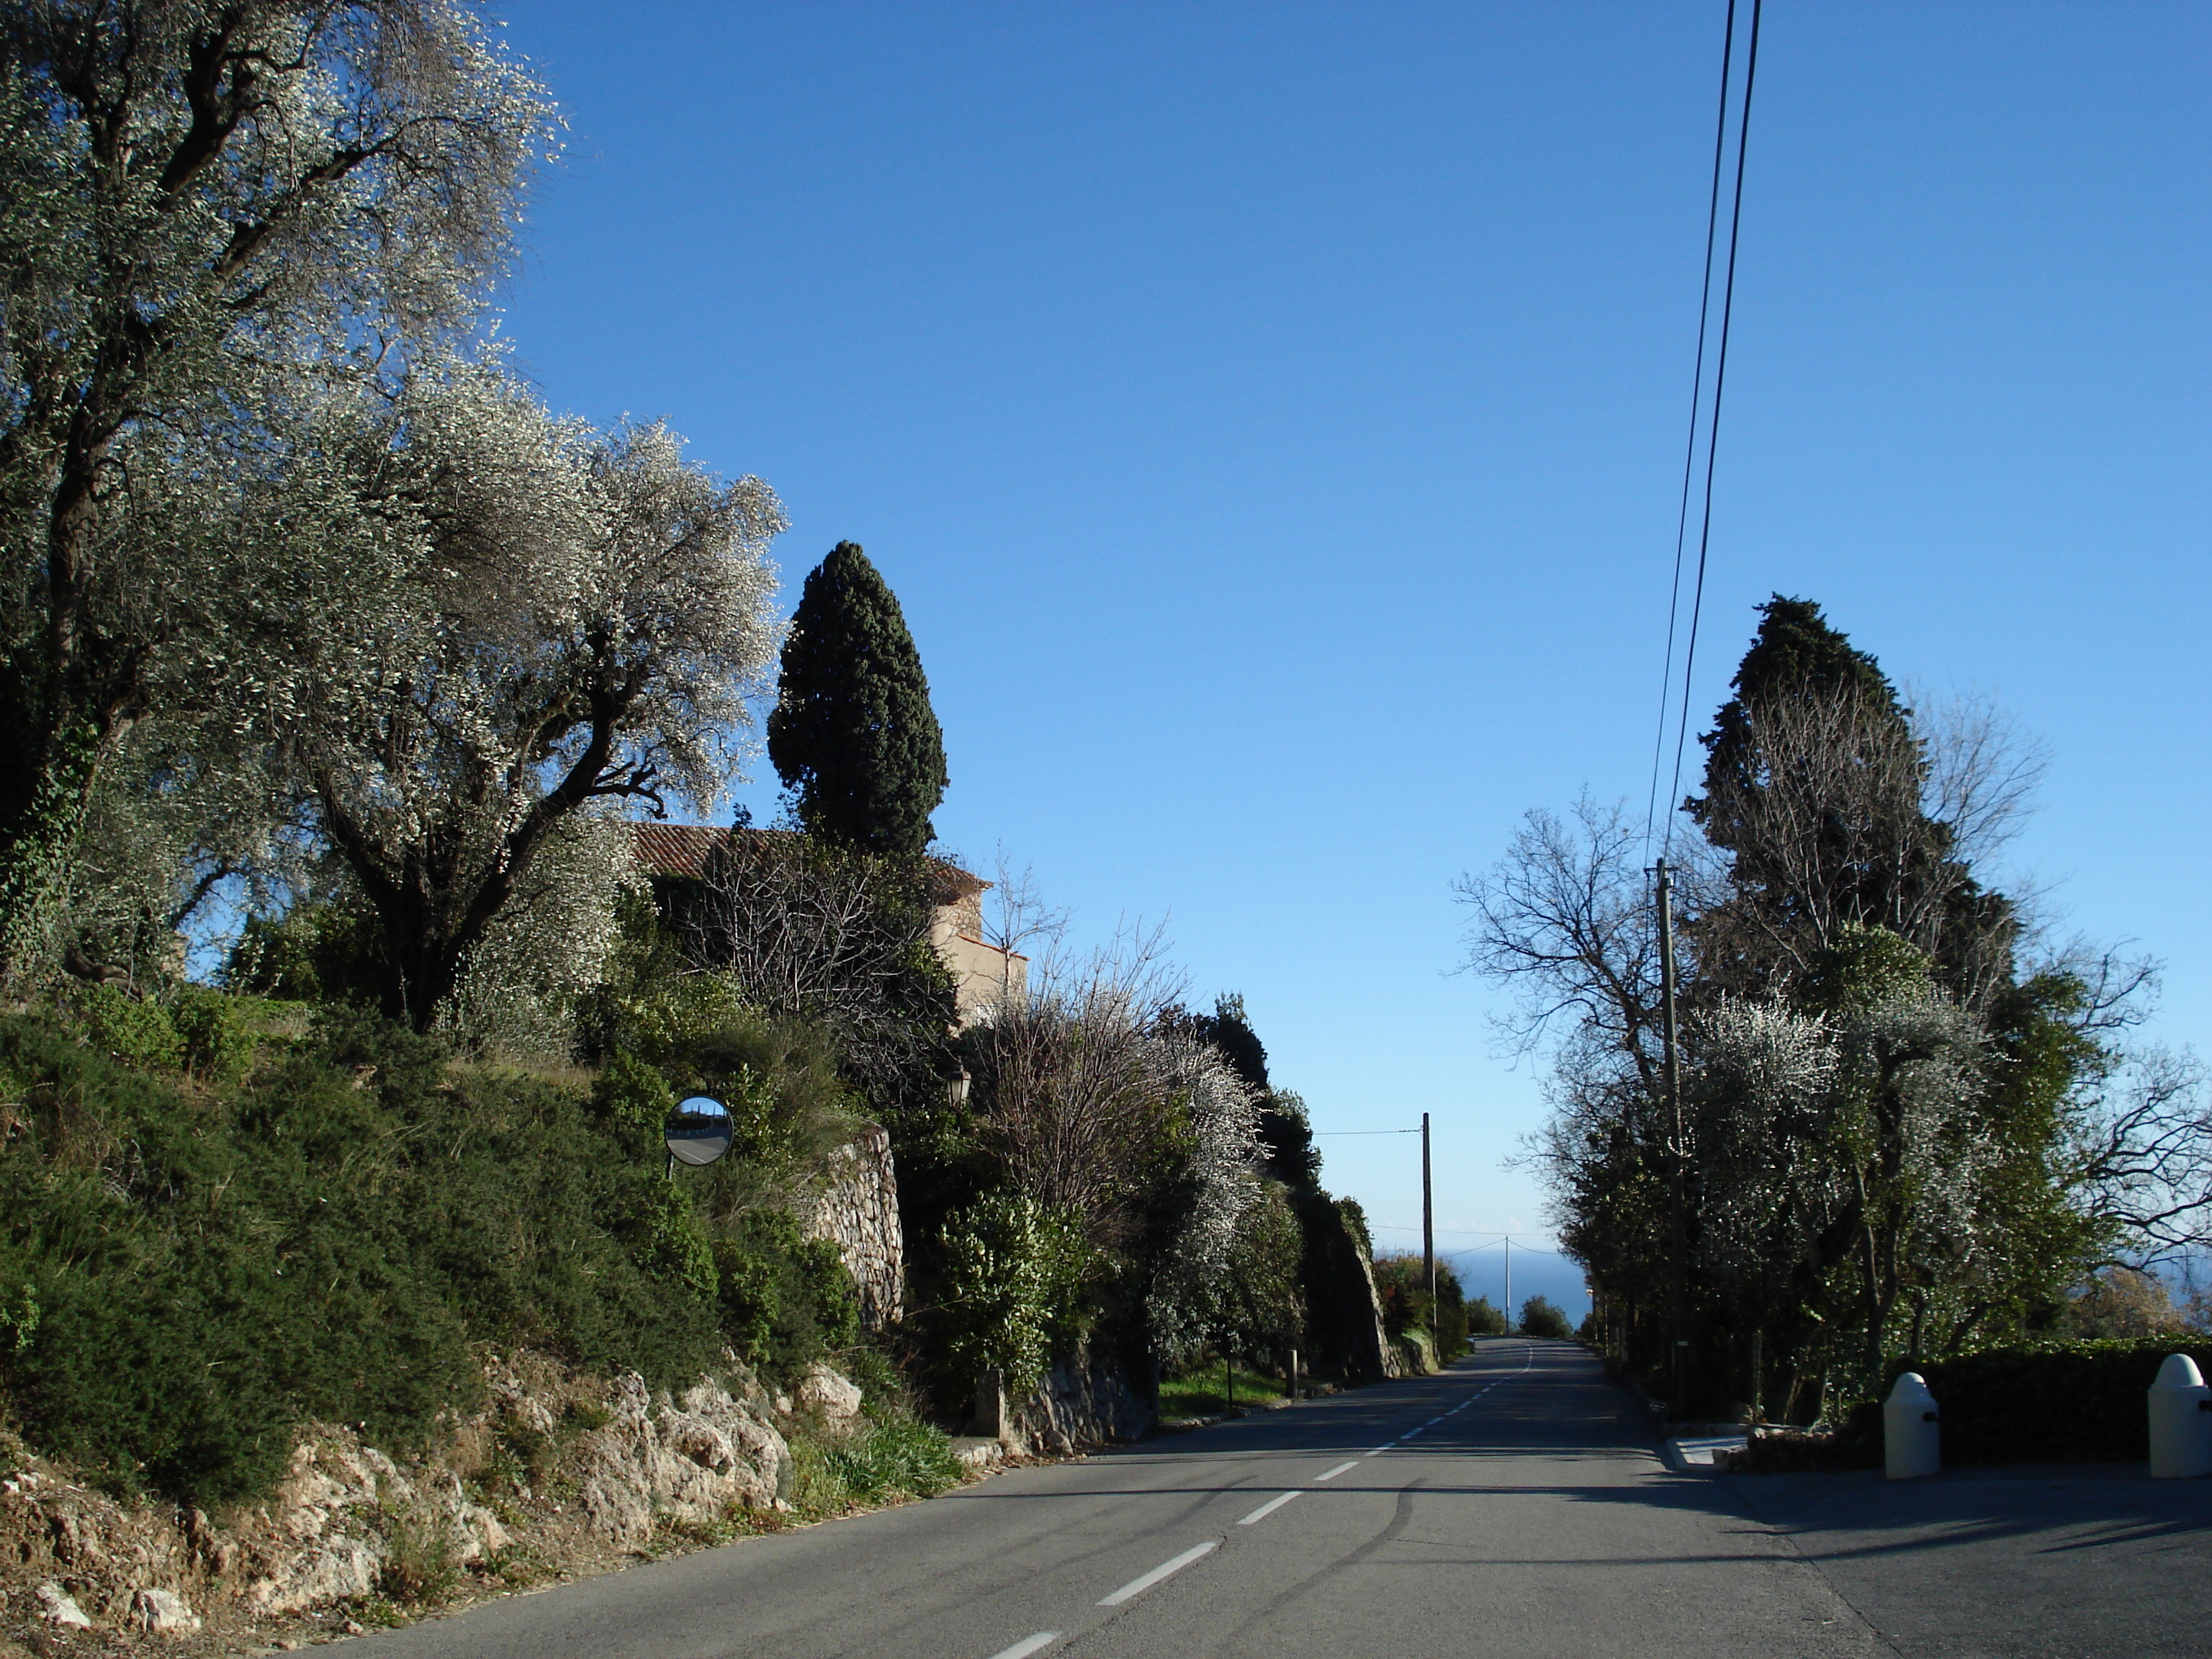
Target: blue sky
1270, 417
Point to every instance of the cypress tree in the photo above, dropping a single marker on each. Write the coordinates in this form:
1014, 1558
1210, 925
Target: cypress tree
853, 732
1796, 653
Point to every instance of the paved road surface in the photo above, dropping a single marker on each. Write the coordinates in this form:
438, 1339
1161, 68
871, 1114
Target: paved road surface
1511, 1506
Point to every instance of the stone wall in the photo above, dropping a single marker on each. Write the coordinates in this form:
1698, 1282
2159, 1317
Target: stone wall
857, 1210
1089, 1400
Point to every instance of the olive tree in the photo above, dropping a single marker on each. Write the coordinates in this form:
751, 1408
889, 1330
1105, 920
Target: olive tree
202, 202
489, 621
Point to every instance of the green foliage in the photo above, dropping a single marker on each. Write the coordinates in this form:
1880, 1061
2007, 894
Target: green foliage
1451, 1326
1355, 1222
634, 1100
125, 1028
1401, 1286
887, 1457
1541, 1317
314, 952
218, 1033
186, 1276
661, 1224
1013, 1286
695, 1033
2051, 1403
853, 732
1797, 652
1485, 1318
786, 1300
1407, 1307
1263, 1307
1864, 968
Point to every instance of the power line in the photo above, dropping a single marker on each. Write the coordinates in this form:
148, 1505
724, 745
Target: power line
1696, 409
1720, 384
1318, 1133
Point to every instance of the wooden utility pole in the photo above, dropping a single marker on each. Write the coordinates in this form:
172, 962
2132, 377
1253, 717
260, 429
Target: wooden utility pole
1678, 1150
1428, 1226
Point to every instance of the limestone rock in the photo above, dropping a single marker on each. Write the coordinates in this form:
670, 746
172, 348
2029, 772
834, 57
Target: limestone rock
57, 1607
693, 1459
164, 1613
824, 1390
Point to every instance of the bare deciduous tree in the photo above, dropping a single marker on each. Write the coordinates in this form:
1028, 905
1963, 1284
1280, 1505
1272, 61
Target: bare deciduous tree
1565, 920
832, 933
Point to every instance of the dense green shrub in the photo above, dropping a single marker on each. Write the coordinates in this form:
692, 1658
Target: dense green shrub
2052, 1401
1262, 1314
187, 1274
314, 952
1485, 1318
216, 1032
777, 1074
1541, 1317
128, 1029
785, 1299
1403, 1285
1011, 1292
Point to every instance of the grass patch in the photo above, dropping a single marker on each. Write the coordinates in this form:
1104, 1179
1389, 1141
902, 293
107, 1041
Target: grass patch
877, 1460
1204, 1392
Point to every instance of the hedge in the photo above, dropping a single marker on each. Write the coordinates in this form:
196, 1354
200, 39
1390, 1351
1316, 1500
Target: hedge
2052, 1401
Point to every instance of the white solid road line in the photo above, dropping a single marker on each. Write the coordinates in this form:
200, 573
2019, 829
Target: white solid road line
1266, 1508
1338, 1470
1165, 1570
1022, 1650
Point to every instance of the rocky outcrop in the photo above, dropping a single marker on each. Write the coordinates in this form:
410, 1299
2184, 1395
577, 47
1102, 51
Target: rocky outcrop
338, 1518
831, 1396
81, 1557
613, 1463
857, 1210
690, 1460
1370, 1353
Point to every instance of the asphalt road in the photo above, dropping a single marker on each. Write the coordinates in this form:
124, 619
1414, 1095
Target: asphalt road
1511, 1506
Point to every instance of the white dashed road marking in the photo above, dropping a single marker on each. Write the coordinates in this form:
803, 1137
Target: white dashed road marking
1266, 1508
1165, 1570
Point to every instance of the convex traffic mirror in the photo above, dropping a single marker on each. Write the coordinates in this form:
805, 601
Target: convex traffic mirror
698, 1130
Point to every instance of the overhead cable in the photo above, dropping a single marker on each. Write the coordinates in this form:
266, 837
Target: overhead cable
1712, 415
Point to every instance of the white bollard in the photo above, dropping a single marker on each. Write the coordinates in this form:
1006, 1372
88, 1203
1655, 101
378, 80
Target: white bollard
2180, 1421
1912, 1437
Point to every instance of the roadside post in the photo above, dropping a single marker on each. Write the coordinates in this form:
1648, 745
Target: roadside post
1911, 1431
2180, 1421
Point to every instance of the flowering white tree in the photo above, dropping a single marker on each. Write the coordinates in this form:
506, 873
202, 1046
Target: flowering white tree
201, 201
484, 621
1105, 1108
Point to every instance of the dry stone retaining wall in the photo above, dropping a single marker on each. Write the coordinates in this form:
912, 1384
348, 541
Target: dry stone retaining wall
1088, 1400
857, 1210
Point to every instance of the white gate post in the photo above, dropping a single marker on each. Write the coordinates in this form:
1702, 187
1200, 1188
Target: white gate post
1912, 1435
2180, 1421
